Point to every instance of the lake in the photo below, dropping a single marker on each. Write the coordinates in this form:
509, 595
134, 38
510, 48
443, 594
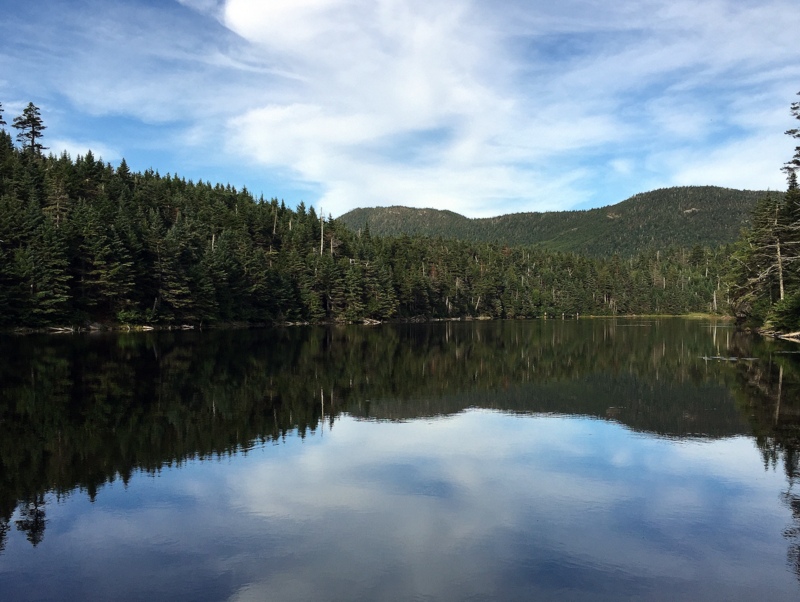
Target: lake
648, 459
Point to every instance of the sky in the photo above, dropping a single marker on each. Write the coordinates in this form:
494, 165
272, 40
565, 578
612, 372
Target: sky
483, 108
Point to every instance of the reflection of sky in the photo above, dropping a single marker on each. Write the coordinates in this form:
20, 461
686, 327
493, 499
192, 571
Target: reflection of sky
481, 504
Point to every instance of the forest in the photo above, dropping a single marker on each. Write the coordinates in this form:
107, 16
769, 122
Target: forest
86, 244
82, 242
683, 216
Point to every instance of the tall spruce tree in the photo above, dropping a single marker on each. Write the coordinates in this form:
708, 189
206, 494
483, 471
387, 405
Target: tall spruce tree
30, 128
42, 267
791, 166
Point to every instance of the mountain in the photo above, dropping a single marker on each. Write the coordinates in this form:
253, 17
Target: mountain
684, 216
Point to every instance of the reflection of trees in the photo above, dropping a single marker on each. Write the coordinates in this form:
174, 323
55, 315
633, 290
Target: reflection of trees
788, 442
3, 533
792, 532
78, 412
770, 395
32, 519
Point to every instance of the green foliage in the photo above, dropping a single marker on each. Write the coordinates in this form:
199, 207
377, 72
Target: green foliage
706, 216
785, 314
30, 128
764, 278
41, 269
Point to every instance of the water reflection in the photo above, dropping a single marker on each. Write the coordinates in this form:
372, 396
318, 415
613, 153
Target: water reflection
476, 499
562, 508
769, 392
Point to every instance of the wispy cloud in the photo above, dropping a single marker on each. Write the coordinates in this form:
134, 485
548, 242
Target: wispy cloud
478, 108
80, 148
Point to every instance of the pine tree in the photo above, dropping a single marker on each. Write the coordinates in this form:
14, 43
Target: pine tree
204, 293
30, 128
353, 291
791, 166
42, 266
123, 172
174, 264
785, 314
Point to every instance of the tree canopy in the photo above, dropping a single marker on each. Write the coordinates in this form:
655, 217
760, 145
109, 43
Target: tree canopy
30, 128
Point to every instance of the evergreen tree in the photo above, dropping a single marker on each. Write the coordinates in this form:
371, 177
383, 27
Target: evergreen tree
42, 267
123, 172
765, 279
785, 314
791, 166
30, 128
203, 291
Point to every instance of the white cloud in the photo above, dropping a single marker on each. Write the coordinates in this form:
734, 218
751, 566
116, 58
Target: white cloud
479, 108
752, 164
74, 148
622, 166
377, 72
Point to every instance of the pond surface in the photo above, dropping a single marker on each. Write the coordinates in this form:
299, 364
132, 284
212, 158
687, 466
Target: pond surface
588, 460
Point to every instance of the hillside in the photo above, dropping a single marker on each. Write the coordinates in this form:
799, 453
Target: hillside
683, 216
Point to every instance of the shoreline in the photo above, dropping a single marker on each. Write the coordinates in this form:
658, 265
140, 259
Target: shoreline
95, 328
794, 337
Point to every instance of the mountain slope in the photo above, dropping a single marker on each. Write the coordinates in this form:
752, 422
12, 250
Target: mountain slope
683, 216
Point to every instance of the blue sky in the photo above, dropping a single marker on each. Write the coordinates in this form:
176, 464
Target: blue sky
480, 107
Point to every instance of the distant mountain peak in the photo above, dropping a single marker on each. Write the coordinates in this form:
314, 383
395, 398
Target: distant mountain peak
655, 219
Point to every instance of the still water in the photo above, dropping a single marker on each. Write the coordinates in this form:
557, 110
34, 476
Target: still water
589, 460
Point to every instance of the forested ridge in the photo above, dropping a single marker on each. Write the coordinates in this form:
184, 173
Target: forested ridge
681, 216
84, 242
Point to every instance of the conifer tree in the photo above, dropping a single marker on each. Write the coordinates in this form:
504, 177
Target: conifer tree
791, 166
30, 128
42, 266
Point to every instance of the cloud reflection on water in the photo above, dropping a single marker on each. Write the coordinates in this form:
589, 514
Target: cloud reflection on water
479, 505
503, 506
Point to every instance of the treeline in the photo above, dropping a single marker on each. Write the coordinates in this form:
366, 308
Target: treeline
82, 241
765, 267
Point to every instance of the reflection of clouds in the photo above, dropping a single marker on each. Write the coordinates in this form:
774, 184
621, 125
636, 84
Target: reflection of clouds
474, 455
585, 493
726, 458
481, 504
